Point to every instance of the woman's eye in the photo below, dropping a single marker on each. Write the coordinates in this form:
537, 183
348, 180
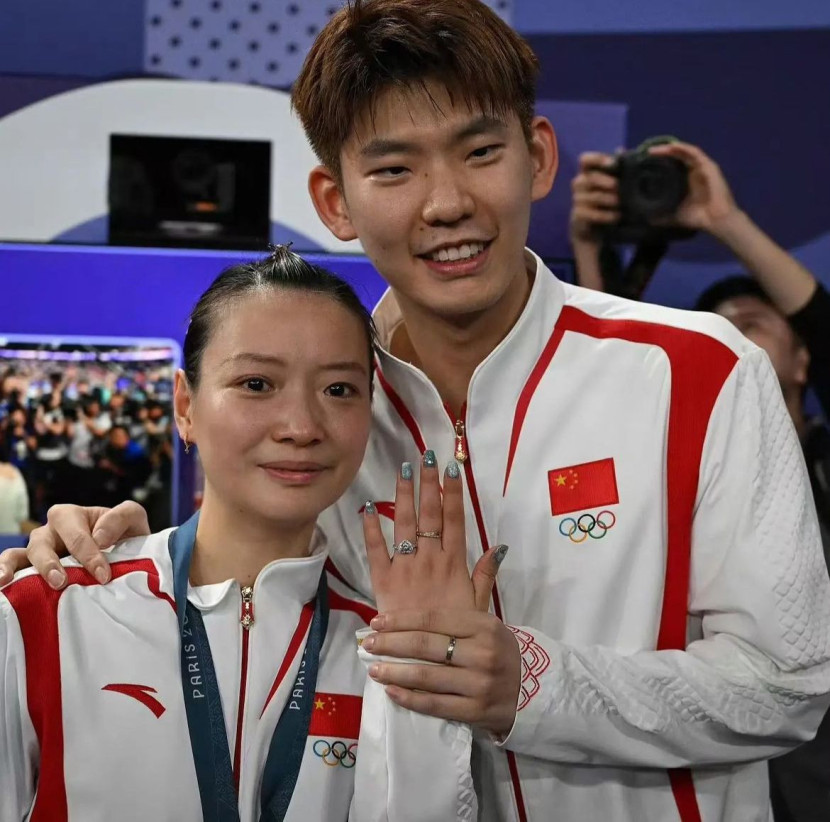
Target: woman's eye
341, 389
256, 384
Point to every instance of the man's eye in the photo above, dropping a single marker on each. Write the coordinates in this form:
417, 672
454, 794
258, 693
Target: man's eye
341, 389
391, 171
485, 151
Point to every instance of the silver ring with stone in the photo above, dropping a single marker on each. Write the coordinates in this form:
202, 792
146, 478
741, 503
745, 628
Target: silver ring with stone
405, 546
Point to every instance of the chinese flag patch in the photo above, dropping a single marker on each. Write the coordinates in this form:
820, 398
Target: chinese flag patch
579, 487
336, 715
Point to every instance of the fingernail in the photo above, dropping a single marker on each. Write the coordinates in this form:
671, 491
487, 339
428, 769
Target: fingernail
501, 553
429, 458
56, 578
374, 671
369, 507
406, 470
368, 643
102, 574
377, 622
453, 471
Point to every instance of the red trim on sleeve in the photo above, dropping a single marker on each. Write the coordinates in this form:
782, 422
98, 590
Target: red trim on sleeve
36, 607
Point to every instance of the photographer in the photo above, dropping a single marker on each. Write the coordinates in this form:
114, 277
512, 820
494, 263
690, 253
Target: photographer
782, 309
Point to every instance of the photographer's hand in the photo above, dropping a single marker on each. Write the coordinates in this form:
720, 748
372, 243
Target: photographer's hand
595, 203
709, 204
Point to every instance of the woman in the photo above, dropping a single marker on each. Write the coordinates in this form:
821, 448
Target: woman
216, 677
14, 499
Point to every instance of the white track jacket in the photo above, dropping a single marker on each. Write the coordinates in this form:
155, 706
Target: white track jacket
665, 576
93, 719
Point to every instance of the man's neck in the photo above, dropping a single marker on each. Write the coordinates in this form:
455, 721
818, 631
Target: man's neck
230, 545
448, 351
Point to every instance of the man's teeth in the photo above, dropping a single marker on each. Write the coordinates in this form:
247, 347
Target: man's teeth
460, 252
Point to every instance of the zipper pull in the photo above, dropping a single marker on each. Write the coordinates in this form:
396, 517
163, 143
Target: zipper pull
247, 618
460, 442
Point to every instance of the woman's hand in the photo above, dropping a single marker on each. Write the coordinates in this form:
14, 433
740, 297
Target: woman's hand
432, 609
435, 574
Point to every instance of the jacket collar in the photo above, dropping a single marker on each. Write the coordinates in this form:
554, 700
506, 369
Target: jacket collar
504, 371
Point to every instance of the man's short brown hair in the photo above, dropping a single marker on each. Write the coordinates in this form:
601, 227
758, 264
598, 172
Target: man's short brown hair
372, 45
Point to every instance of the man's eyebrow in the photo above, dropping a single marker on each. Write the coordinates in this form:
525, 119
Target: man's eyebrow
485, 124
381, 147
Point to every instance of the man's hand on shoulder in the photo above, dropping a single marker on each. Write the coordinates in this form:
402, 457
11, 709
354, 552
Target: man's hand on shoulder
80, 532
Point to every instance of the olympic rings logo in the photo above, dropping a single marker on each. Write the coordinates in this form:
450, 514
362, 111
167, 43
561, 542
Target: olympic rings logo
578, 530
336, 753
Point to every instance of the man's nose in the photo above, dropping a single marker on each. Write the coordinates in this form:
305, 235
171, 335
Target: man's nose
448, 199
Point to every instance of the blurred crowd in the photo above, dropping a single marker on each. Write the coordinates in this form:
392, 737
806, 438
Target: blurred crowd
96, 433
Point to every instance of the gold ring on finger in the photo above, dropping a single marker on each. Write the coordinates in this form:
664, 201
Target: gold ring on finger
450, 650
428, 534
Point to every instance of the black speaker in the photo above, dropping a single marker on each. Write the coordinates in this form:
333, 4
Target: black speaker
189, 192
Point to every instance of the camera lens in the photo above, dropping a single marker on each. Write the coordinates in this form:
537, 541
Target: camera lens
659, 186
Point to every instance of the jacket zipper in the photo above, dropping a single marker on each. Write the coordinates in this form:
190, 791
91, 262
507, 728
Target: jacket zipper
462, 455
461, 452
246, 619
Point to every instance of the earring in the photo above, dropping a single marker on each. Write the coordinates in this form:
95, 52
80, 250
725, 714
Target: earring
186, 446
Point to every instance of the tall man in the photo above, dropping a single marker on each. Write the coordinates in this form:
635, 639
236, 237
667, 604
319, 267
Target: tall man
661, 624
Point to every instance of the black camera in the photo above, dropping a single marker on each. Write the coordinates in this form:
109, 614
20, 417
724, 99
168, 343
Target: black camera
651, 188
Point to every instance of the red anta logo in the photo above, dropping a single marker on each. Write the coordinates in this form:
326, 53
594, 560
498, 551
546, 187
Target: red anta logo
140, 693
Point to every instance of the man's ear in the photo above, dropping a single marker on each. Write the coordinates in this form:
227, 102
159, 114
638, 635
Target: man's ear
330, 204
802, 365
544, 154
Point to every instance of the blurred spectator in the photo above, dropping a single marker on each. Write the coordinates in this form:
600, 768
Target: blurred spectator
785, 311
50, 454
55, 422
124, 467
85, 431
14, 500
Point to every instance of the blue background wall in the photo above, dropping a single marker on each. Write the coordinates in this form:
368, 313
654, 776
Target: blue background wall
89, 38
745, 79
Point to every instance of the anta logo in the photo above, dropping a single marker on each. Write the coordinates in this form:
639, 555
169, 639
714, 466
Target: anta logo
385, 509
141, 693
576, 488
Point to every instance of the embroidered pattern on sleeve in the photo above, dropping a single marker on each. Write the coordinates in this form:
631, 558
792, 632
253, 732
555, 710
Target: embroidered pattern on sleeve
535, 662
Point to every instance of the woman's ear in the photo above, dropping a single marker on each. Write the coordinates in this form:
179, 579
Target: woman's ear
183, 407
330, 204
